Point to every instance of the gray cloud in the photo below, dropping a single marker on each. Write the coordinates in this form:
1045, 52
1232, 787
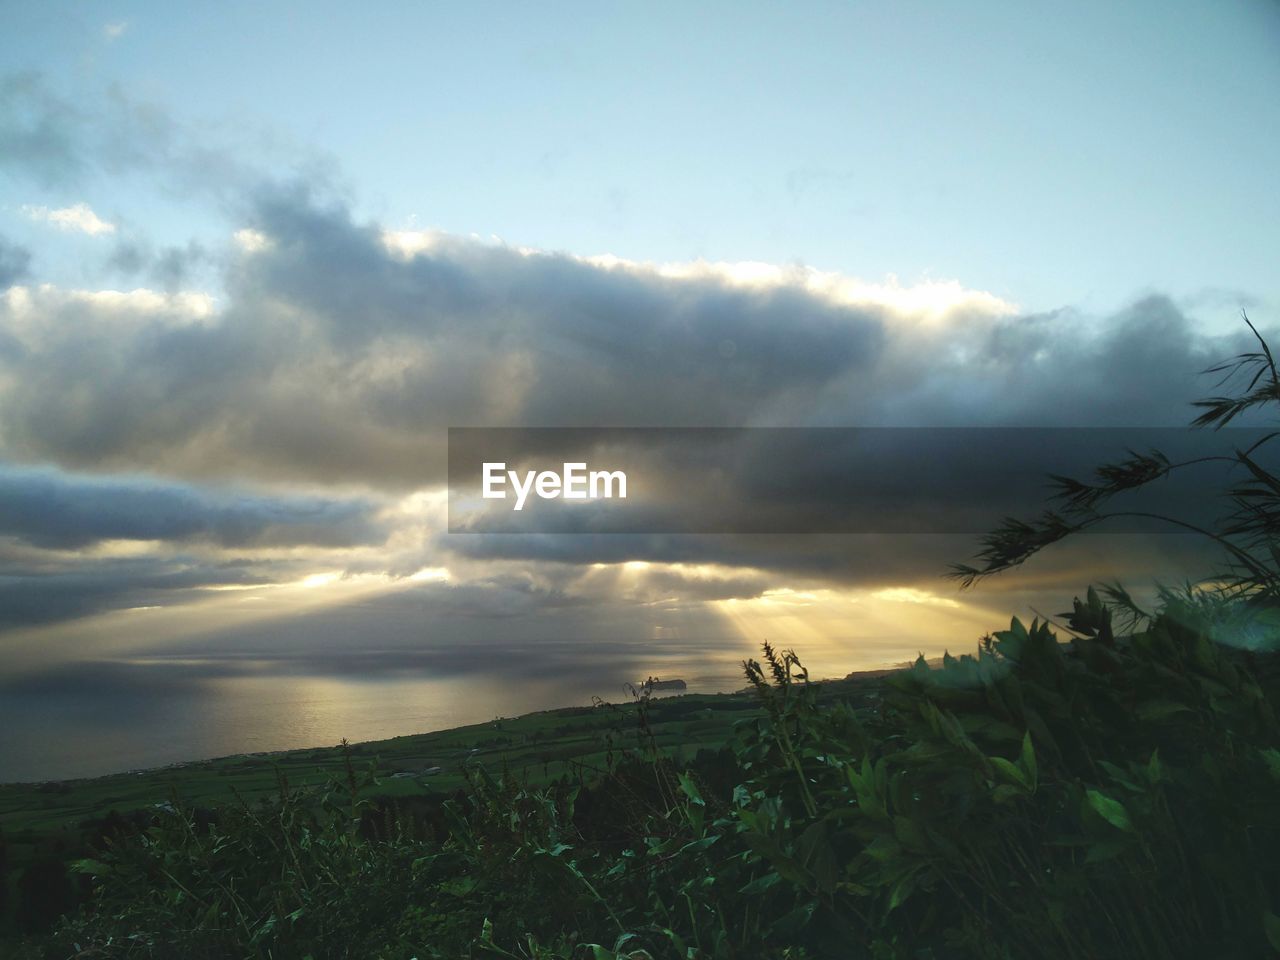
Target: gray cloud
862, 560
337, 360
56, 591
37, 130
57, 141
14, 263
169, 268
52, 509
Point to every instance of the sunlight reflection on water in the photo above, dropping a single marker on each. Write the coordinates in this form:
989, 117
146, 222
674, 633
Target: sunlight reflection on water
135, 719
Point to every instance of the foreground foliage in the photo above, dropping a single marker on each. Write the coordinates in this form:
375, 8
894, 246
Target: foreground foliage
1115, 796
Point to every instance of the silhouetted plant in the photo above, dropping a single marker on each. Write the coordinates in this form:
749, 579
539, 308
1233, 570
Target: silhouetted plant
1248, 534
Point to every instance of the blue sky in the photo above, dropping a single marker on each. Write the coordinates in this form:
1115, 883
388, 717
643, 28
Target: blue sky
1053, 156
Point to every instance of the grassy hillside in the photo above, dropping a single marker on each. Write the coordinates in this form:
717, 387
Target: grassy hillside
539, 745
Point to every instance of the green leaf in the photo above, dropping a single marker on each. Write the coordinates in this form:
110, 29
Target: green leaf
1010, 771
617, 869
883, 848
702, 843
1272, 759
1120, 776
1112, 811
1160, 709
761, 884
1006, 793
1106, 850
690, 790
94, 868
459, 886
1029, 760
905, 886
910, 834
1271, 923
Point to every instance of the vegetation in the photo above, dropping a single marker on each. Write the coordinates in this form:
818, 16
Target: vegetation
1248, 535
45, 826
1113, 792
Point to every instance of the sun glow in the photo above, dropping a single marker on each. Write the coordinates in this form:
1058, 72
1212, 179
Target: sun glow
430, 575
839, 631
318, 580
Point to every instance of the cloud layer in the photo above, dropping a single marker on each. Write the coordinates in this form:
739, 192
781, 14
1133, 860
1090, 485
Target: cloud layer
319, 370
52, 509
337, 358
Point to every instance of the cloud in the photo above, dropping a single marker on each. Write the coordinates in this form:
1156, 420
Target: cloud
251, 241
236, 429
103, 133
72, 590
856, 560
14, 263
39, 131
114, 31
930, 299
53, 509
338, 351
60, 142
79, 218
334, 358
171, 268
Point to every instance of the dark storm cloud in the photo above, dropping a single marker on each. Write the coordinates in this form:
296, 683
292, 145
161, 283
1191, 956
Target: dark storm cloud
607, 331
52, 509
334, 359
1142, 366
69, 590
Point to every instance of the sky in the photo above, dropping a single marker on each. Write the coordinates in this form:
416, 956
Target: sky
256, 259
